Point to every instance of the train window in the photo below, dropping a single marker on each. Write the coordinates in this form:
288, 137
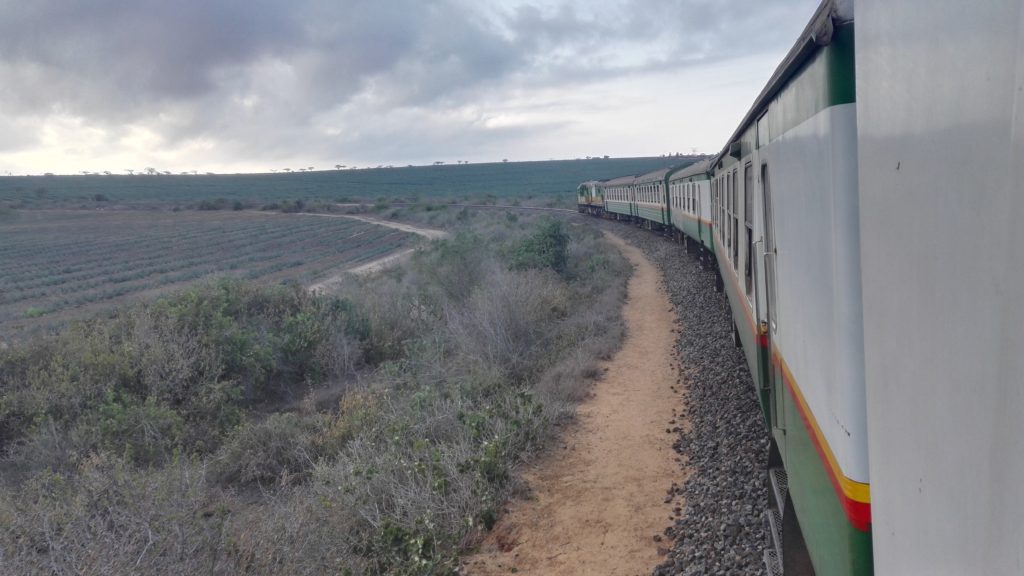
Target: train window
748, 229
735, 221
714, 201
723, 212
724, 188
718, 207
769, 249
728, 213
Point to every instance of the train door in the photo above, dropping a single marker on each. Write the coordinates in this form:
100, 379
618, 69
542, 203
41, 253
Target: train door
748, 228
775, 382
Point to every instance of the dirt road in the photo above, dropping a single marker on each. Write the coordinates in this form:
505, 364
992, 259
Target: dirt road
430, 233
598, 502
382, 262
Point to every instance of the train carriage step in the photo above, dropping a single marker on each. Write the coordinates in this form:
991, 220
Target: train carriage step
772, 563
773, 528
780, 488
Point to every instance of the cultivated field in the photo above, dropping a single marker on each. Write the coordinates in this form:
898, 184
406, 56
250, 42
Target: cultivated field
548, 180
58, 264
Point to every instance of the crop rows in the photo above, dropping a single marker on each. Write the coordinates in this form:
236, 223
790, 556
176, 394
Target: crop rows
57, 264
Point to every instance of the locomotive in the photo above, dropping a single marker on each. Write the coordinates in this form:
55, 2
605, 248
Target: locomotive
865, 220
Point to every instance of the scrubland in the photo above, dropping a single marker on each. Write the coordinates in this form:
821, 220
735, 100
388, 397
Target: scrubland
252, 428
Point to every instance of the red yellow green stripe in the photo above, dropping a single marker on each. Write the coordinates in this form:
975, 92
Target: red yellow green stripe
854, 496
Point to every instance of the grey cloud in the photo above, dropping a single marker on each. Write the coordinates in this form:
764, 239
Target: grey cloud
118, 58
260, 76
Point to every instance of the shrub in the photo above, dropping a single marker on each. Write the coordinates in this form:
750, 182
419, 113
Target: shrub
545, 248
217, 204
279, 449
293, 206
456, 265
34, 312
507, 321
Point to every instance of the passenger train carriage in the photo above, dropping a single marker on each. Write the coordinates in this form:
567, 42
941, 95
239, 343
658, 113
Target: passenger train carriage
844, 243
689, 192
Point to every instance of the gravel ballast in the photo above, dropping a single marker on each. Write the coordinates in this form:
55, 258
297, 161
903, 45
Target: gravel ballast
719, 527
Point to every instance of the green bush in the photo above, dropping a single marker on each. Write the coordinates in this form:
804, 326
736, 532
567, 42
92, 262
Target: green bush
545, 248
35, 312
216, 204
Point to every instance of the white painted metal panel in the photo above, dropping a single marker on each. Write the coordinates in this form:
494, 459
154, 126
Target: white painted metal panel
940, 91
814, 191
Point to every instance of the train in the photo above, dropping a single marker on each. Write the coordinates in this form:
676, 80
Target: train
866, 221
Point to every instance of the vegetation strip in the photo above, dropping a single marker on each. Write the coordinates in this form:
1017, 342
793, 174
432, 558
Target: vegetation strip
237, 428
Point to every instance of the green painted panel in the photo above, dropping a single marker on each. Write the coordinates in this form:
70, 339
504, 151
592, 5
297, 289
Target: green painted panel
709, 240
653, 214
826, 79
842, 84
836, 547
618, 207
690, 228
739, 314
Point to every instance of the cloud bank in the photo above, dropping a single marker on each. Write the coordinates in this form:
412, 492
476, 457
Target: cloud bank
259, 84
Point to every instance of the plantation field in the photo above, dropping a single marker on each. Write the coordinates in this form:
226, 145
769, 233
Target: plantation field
547, 179
59, 264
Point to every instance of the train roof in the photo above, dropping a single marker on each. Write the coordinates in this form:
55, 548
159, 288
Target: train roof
620, 181
655, 176
699, 167
816, 34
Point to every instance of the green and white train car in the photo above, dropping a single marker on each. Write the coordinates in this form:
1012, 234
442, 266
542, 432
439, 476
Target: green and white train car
868, 235
787, 240
619, 198
689, 195
651, 192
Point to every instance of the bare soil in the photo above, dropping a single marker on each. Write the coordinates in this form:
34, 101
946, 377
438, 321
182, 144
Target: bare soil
598, 500
430, 233
382, 262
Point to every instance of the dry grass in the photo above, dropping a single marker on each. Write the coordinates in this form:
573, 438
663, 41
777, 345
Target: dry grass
373, 431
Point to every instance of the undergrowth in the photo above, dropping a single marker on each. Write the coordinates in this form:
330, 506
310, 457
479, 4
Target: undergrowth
236, 428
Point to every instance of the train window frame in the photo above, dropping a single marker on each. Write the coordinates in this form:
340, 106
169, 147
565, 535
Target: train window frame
748, 225
735, 221
726, 211
771, 249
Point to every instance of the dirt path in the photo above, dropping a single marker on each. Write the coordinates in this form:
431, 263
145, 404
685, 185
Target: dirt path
430, 233
598, 503
382, 262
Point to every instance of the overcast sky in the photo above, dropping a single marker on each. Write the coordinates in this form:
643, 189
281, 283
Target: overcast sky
256, 85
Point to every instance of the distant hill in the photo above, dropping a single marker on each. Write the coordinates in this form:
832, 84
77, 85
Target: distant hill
504, 179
